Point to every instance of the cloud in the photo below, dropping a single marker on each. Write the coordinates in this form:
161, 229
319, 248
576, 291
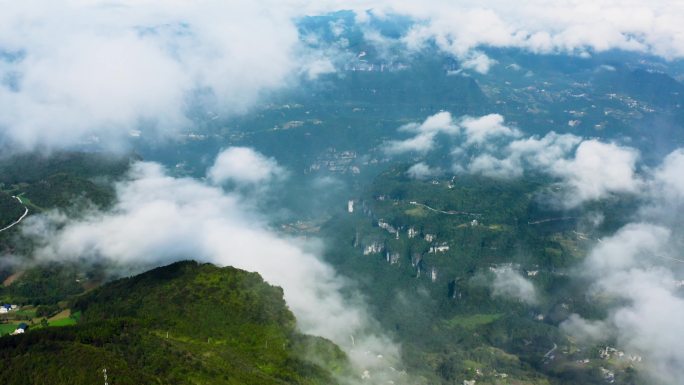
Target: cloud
508, 283
589, 169
87, 71
424, 140
539, 26
586, 331
668, 177
600, 168
478, 61
637, 274
471, 130
493, 167
422, 171
76, 72
519, 155
243, 166
158, 219
485, 128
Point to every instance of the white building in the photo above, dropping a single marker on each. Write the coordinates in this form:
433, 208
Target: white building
441, 248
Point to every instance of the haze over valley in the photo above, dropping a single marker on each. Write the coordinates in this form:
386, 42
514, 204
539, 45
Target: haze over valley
361, 192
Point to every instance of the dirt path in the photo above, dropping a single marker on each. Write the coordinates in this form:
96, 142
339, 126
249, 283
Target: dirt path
10, 280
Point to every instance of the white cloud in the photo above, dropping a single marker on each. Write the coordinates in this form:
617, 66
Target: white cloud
637, 273
420, 143
86, 69
422, 170
509, 283
669, 177
628, 268
543, 26
485, 128
75, 71
545, 151
158, 219
635, 245
424, 140
598, 169
243, 166
478, 61
589, 169
475, 131
318, 67
493, 167
587, 331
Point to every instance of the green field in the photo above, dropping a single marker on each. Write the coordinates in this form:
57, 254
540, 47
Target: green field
471, 322
63, 322
7, 328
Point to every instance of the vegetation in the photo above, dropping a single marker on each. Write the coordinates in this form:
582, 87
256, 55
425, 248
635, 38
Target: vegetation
34, 167
45, 284
10, 209
441, 305
178, 324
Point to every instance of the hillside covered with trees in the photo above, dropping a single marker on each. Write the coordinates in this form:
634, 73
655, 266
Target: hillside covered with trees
186, 323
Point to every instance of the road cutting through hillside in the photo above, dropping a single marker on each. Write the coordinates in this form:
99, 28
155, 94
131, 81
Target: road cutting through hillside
26, 210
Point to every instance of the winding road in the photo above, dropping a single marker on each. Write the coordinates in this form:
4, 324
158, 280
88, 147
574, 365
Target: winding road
26, 210
451, 212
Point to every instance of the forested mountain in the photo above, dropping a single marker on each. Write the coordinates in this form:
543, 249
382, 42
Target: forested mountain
186, 323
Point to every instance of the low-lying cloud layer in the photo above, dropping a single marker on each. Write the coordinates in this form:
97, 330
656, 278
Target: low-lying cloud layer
578, 27
473, 131
638, 273
589, 169
509, 283
243, 166
74, 72
424, 134
159, 219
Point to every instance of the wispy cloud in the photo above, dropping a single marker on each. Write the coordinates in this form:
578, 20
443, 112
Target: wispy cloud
637, 273
509, 283
158, 219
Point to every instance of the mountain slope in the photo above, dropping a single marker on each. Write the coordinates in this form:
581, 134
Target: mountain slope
186, 323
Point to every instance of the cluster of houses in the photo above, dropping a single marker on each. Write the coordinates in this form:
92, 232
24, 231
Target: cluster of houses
610, 352
6, 308
439, 248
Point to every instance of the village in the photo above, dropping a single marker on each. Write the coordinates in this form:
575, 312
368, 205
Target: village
15, 319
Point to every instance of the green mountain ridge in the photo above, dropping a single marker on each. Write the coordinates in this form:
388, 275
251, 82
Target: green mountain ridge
185, 323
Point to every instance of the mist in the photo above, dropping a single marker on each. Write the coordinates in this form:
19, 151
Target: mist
98, 73
637, 274
158, 219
